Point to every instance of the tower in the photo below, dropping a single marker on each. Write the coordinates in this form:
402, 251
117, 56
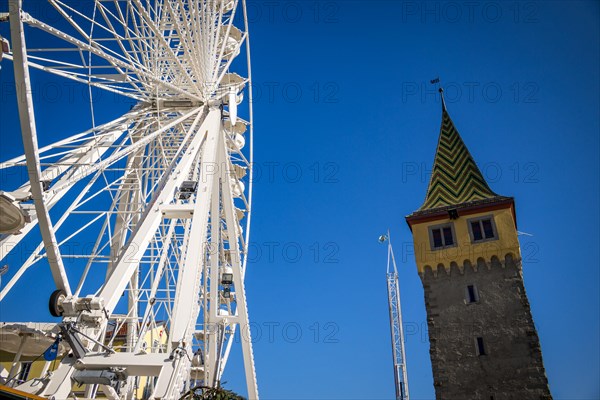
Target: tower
483, 342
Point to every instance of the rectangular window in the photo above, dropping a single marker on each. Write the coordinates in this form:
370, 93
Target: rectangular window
488, 230
480, 347
476, 229
24, 372
441, 236
472, 294
448, 238
482, 229
437, 238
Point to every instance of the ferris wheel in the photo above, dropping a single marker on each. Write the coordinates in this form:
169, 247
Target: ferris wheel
163, 193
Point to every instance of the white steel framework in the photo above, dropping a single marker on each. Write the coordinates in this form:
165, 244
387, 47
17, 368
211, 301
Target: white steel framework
396, 328
163, 193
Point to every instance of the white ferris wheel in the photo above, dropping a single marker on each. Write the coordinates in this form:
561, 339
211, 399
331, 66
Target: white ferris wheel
162, 192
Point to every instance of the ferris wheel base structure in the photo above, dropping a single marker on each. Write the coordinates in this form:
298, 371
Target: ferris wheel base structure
154, 309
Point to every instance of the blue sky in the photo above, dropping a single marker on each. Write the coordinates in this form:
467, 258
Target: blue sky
346, 125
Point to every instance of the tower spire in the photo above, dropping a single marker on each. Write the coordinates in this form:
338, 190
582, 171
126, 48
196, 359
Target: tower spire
441, 90
455, 177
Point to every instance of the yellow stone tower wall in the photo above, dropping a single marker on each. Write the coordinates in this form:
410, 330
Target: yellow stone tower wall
465, 251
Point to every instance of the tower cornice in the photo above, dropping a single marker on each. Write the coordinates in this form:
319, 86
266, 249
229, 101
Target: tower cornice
473, 207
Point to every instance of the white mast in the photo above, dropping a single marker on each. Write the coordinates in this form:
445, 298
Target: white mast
397, 332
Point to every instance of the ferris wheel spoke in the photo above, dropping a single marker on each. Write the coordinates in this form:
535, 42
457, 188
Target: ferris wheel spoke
35, 255
124, 55
133, 54
112, 60
185, 36
96, 250
156, 281
75, 139
135, 38
68, 167
109, 82
89, 169
229, 48
109, 28
241, 307
165, 46
145, 230
217, 32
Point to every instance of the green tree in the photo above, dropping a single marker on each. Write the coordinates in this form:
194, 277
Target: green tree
210, 393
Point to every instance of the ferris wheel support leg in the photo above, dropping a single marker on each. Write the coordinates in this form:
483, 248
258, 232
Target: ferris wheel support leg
109, 392
59, 385
238, 281
183, 318
28, 131
212, 325
186, 307
141, 238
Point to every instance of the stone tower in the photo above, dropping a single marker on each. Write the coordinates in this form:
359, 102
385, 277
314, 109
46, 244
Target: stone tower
483, 343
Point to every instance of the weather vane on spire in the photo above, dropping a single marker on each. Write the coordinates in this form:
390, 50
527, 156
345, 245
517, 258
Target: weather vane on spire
440, 89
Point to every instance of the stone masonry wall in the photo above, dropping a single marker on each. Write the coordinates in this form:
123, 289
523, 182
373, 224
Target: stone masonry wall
512, 367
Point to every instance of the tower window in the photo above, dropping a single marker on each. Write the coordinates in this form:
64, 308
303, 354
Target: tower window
441, 236
482, 229
480, 347
472, 295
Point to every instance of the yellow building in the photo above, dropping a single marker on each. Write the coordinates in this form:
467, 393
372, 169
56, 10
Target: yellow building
22, 346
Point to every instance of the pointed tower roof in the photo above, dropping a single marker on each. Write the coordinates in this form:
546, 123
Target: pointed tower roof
455, 178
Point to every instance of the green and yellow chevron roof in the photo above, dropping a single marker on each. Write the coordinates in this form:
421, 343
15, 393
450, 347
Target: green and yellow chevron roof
455, 177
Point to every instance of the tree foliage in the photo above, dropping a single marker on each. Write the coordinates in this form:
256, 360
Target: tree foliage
210, 393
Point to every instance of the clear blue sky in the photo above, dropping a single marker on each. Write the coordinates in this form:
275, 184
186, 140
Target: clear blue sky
345, 133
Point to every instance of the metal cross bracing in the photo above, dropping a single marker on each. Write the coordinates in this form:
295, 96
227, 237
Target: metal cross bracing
396, 328
164, 191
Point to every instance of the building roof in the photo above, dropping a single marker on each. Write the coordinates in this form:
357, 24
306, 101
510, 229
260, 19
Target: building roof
455, 178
